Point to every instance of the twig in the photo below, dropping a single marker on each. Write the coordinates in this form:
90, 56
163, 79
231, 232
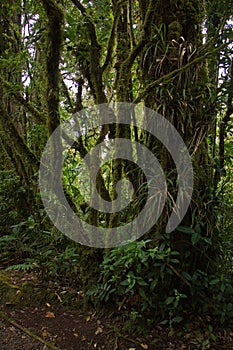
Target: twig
209, 302
111, 41
28, 332
179, 275
118, 335
17, 95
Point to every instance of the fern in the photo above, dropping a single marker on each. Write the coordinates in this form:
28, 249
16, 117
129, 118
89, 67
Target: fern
22, 267
7, 238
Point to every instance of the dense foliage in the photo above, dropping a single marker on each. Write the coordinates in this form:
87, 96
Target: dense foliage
175, 57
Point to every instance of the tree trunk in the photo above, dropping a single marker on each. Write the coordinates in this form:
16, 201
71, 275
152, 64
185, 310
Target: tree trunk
176, 38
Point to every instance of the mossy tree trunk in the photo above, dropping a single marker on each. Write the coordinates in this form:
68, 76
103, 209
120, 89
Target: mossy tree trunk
12, 115
184, 101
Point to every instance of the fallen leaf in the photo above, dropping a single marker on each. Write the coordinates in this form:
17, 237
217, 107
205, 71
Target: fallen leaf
50, 314
44, 334
144, 346
84, 338
76, 334
88, 318
98, 331
47, 304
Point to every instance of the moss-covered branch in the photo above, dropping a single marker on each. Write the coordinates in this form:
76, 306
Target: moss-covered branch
111, 40
128, 62
19, 148
95, 70
125, 64
17, 95
91, 26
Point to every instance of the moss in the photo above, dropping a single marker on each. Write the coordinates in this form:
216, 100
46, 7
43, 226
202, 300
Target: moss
5, 280
174, 31
9, 293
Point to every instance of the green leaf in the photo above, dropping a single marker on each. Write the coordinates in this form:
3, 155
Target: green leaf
175, 253
195, 237
214, 281
164, 322
187, 276
7, 238
206, 240
124, 283
142, 293
185, 229
141, 282
169, 300
153, 284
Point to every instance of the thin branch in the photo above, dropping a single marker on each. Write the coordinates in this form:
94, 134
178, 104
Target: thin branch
144, 40
21, 100
96, 72
133, 42
187, 283
78, 102
111, 41
173, 269
28, 332
91, 26
66, 94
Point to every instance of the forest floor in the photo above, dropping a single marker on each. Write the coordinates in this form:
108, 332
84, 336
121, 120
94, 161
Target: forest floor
29, 321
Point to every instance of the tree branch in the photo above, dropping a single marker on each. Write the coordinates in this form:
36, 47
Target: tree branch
20, 146
66, 94
111, 41
91, 26
28, 331
20, 99
96, 72
144, 40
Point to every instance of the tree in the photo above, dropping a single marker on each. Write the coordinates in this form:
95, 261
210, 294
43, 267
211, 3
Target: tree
150, 52
12, 122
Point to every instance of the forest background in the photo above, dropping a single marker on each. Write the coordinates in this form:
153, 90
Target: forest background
175, 57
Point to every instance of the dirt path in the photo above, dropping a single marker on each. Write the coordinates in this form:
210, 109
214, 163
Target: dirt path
46, 328
29, 321
56, 329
